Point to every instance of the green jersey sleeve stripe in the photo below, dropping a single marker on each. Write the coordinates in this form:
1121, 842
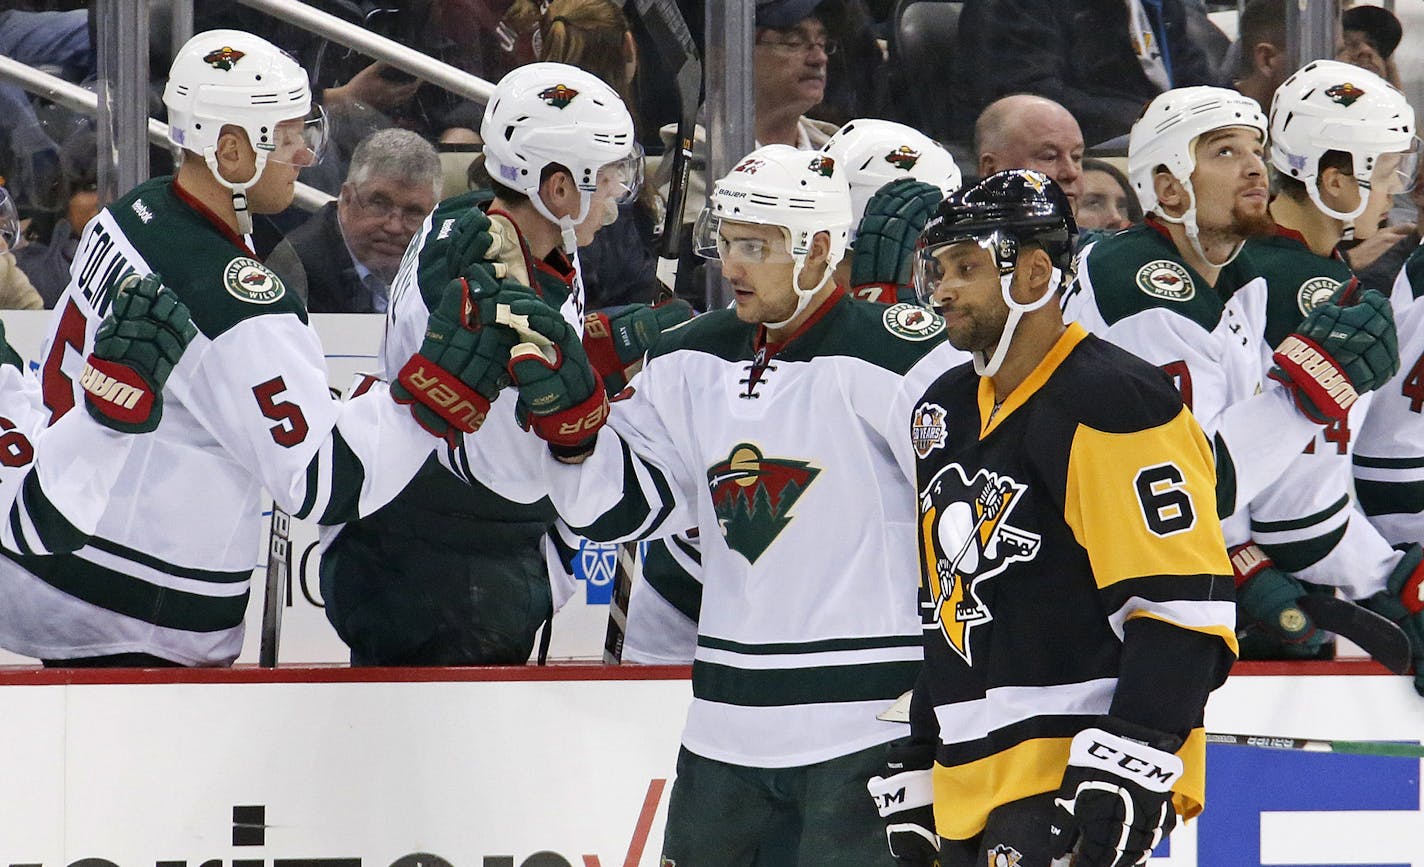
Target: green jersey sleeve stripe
56, 533
630, 517
1301, 523
1390, 498
313, 478
158, 565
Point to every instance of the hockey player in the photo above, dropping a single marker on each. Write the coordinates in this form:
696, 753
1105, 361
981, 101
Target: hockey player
758, 425
56, 481
165, 580
897, 176
1341, 137
1171, 292
1064, 489
450, 573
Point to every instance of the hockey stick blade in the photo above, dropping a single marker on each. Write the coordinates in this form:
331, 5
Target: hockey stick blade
1376, 635
1311, 745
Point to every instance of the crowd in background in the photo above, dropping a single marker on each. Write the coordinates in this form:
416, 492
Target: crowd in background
1101, 60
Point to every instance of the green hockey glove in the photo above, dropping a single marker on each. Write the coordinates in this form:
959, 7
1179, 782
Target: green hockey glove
561, 396
135, 350
460, 367
1337, 354
617, 338
1268, 598
1402, 601
905, 799
885, 238
457, 245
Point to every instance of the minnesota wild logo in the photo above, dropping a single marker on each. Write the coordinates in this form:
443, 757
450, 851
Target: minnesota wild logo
224, 58
1345, 94
559, 96
823, 165
903, 157
753, 495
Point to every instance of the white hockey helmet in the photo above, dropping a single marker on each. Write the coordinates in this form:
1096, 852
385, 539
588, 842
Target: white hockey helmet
803, 192
1332, 106
553, 113
1166, 135
228, 77
873, 152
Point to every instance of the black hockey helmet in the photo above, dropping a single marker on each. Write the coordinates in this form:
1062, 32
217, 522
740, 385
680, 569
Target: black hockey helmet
1017, 205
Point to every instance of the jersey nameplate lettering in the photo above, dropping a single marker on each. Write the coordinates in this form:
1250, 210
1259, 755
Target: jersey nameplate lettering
101, 265
912, 322
1163, 278
249, 280
1314, 292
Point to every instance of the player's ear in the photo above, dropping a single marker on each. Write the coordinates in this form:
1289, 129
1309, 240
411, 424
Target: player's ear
1036, 266
1170, 192
820, 248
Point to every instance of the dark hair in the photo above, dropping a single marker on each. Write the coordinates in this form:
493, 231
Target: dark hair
1294, 189
1261, 21
1134, 207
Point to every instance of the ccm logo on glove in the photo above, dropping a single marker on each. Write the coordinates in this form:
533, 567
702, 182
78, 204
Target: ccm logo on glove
1116, 755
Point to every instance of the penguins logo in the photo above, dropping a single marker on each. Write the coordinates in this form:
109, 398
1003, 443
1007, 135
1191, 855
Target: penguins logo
966, 539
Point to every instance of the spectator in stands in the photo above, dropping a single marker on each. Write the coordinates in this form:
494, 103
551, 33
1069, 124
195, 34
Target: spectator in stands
1368, 39
347, 254
16, 293
791, 55
1261, 62
1024, 131
1102, 59
1107, 202
47, 261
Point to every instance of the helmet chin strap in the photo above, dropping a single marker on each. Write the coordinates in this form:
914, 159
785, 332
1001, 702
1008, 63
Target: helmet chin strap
1364, 189
572, 308
803, 296
239, 189
1188, 222
1016, 312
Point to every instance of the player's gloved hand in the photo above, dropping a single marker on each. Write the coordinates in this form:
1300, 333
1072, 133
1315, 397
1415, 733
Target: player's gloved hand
471, 240
616, 338
1402, 601
561, 396
1115, 803
1337, 354
1269, 597
886, 237
135, 349
460, 367
905, 799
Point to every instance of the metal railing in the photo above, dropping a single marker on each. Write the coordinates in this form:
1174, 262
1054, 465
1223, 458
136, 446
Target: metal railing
76, 98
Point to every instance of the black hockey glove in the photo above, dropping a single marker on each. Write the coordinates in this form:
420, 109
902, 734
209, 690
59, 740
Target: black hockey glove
561, 396
617, 338
905, 799
885, 238
1337, 354
460, 367
1402, 601
1115, 804
1268, 598
135, 349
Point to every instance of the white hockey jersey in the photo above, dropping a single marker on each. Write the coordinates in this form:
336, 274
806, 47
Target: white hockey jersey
246, 408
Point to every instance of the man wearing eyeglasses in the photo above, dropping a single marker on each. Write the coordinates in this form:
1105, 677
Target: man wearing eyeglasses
792, 49
347, 254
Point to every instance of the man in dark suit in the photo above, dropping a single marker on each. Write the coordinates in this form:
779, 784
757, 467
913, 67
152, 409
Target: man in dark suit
347, 254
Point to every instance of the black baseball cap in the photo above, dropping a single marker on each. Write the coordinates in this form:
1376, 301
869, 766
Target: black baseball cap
780, 14
1378, 24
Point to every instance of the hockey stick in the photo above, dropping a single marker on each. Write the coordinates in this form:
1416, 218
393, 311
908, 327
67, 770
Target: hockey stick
1378, 636
669, 33
1358, 748
279, 576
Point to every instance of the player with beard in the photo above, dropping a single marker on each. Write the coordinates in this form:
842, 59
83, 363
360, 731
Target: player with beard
1342, 144
1177, 293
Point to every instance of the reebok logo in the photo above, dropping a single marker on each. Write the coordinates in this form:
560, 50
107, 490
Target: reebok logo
101, 386
446, 227
140, 209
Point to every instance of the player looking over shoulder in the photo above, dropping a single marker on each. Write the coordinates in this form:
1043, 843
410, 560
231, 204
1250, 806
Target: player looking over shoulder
1063, 488
165, 579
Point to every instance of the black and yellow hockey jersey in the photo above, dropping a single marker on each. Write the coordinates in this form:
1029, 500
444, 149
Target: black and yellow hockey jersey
1072, 565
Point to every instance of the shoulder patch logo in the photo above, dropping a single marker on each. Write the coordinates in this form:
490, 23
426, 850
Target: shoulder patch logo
224, 58
912, 322
1163, 278
559, 96
927, 429
752, 496
966, 539
249, 280
1314, 292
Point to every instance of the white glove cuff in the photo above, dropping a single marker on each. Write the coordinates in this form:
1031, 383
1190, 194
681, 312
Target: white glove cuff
1152, 769
903, 791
